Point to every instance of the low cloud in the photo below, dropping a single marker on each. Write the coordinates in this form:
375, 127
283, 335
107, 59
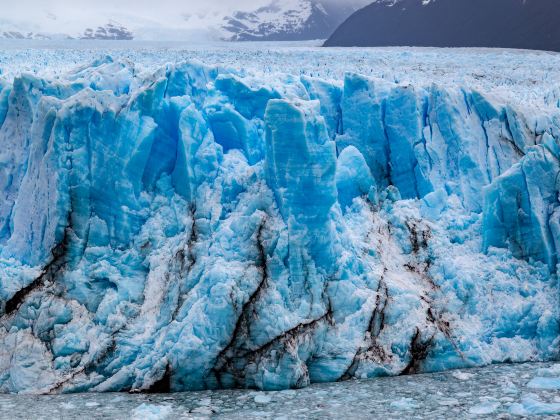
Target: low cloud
141, 16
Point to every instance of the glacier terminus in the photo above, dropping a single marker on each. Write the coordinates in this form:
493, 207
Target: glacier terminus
191, 219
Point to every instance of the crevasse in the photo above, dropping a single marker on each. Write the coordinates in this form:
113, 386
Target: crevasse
198, 228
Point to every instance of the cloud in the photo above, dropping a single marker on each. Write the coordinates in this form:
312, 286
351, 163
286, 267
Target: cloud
155, 9
31, 9
141, 16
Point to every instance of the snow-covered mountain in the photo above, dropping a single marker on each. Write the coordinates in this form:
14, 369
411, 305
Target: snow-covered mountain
16, 30
7, 34
255, 20
287, 20
111, 30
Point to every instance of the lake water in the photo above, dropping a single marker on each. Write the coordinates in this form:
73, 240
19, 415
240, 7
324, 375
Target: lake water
501, 391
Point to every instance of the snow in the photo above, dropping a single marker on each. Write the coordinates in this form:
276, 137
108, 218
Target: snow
278, 16
166, 20
205, 218
170, 20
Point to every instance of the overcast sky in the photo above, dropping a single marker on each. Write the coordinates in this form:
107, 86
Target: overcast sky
22, 9
72, 15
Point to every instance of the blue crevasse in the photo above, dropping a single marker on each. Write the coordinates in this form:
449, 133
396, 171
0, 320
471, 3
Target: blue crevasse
198, 228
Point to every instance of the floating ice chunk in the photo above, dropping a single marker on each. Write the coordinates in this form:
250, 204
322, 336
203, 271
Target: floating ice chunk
462, 376
151, 412
484, 408
551, 372
531, 406
404, 404
545, 383
263, 398
509, 387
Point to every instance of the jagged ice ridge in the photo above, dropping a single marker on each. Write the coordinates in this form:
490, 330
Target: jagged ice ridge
197, 226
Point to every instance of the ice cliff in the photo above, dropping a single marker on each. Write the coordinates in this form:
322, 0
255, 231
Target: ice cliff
199, 227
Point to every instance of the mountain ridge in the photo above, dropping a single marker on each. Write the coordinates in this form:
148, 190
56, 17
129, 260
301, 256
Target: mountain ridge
453, 23
287, 20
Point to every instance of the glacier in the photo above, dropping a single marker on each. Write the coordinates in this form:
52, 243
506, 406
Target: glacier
192, 225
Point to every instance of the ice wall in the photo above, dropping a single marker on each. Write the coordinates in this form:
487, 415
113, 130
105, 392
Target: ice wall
196, 228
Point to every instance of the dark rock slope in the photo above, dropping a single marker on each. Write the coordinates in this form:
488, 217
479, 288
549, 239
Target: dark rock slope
526, 24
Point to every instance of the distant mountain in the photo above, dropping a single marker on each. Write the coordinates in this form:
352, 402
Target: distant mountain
277, 20
13, 34
109, 31
287, 20
527, 24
